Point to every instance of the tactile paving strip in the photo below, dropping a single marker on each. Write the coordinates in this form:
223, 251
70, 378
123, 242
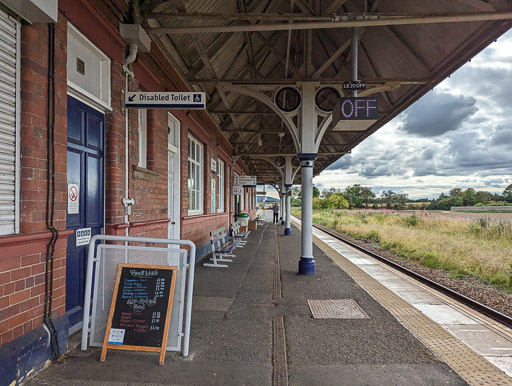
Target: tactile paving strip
336, 309
470, 366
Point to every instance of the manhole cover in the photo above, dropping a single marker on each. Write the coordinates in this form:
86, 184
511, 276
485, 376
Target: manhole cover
336, 309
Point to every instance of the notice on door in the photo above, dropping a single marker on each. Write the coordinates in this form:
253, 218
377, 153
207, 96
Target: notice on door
83, 236
73, 198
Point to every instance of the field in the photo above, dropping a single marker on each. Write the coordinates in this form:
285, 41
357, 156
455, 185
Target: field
465, 244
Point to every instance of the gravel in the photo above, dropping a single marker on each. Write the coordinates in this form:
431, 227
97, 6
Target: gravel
469, 286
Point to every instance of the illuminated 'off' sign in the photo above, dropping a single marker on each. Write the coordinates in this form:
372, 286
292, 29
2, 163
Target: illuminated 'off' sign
355, 108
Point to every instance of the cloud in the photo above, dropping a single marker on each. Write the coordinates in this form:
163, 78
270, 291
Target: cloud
343, 163
458, 135
438, 113
502, 138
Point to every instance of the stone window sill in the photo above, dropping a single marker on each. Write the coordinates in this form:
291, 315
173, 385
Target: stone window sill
144, 174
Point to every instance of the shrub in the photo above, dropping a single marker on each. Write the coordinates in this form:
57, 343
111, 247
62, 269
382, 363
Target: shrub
373, 237
412, 220
318, 203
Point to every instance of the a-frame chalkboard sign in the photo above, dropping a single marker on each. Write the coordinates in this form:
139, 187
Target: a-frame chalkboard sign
141, 309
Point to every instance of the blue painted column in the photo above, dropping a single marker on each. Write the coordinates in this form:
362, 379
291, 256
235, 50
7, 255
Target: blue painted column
307, 262
288, 229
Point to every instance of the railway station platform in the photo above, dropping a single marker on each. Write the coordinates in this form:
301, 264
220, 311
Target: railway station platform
252, 324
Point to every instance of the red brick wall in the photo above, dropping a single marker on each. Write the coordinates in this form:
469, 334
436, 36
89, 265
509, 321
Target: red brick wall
22, 257
34, 97
22, 283
197, 227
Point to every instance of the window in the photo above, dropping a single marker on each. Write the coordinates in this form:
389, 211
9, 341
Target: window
195, 176
173, 133
143, 137
220, 189
88, 69
9, 125
212, 196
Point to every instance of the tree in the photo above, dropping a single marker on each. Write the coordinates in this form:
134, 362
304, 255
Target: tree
296, 191
394, 200
367, 195
482, 197
354, 196
507, 193
295, 201
335, 201
456, 192
326, 193
469, 197
316, 192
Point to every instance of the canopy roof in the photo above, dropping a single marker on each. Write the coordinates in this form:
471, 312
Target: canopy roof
406, 48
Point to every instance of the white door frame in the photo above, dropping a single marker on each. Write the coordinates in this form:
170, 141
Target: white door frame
175, 150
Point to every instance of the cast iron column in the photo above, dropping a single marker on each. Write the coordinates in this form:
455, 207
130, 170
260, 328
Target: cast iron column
307, 262
288, 229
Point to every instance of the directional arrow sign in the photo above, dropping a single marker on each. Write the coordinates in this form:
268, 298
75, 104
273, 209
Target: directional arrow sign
166, 100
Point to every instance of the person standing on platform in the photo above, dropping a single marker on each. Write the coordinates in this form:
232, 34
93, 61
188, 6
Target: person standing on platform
275, 209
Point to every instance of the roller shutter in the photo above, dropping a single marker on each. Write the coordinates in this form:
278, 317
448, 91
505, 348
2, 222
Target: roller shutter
8, 122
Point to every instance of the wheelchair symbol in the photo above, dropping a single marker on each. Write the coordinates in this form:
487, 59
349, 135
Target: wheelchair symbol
197, 98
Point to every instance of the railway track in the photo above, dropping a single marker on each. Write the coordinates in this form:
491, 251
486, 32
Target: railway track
479, 307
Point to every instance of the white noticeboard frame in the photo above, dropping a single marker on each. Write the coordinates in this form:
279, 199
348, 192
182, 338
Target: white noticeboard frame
93, 264
73, 198
213, 163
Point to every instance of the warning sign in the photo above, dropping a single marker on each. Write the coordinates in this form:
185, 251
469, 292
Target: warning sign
73, 198
238, 190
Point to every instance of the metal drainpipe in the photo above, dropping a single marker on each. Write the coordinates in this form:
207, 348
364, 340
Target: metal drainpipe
132, 55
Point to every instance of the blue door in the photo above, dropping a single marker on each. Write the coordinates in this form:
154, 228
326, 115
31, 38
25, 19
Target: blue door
85, 191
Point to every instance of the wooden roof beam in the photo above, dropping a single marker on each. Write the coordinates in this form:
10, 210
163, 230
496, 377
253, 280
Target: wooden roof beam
245, 16
252, 154
285, 82
342, 22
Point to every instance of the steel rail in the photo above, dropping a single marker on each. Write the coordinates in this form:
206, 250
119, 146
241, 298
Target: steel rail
481, 308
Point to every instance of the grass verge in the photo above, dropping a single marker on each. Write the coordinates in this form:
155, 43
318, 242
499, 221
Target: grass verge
479, 248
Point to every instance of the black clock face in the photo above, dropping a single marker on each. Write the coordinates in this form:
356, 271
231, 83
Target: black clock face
326, 98
287, 99
295, 161
279, 161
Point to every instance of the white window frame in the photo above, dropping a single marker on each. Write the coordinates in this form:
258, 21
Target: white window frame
101, 101
213, 195
143, 138
221, 185
197, 164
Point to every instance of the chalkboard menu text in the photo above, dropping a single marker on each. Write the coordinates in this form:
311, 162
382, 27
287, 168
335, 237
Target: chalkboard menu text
141, 309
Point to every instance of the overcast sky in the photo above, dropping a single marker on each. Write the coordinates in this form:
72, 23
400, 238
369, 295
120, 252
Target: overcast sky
458, 135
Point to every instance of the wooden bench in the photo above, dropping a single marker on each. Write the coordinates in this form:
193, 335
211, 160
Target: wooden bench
241, 236
221, 248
